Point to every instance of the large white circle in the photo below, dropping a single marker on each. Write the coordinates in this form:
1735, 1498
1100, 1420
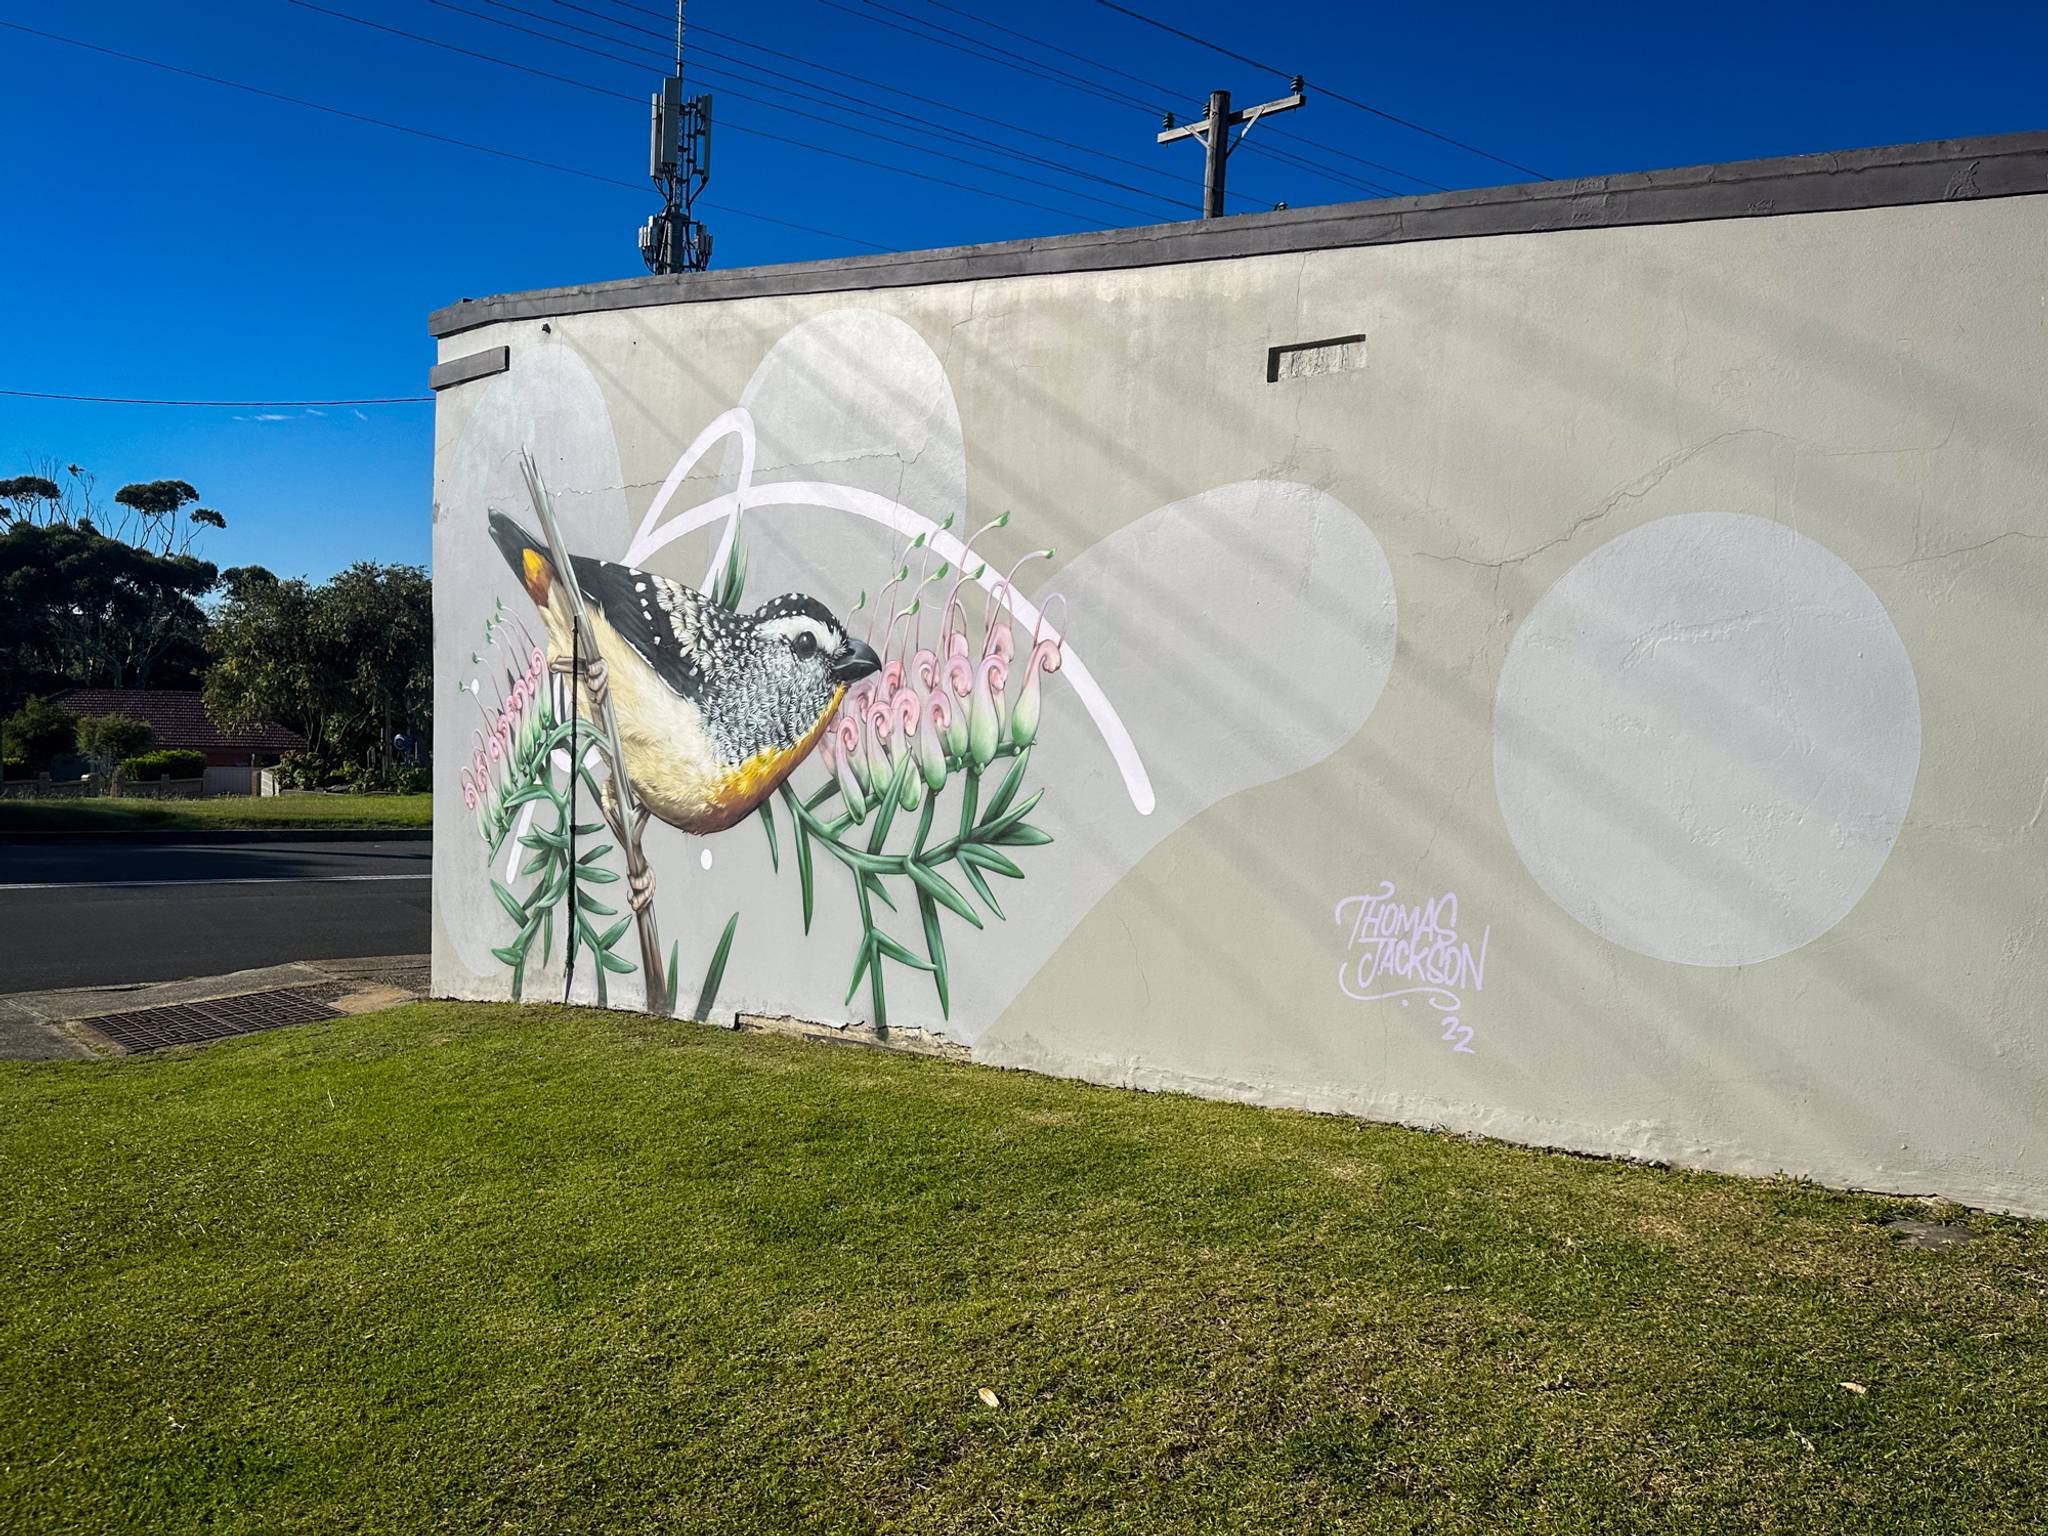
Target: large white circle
1705, 739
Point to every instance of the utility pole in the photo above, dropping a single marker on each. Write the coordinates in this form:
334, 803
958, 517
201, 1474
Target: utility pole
1213, 134
679, 162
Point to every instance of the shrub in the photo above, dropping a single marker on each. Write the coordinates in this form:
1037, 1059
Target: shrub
38, 732
301, 770
176, 762
14, 768
360, 778
107, 740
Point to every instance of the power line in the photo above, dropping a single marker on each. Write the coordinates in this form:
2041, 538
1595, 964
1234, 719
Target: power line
1008, 126
1324, 90
239, 405
1167, 91
761, 133
418, 133
1008, 60
1072, 83
921, 98
894, 117
866, 105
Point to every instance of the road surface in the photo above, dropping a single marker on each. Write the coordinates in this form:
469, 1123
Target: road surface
94, 912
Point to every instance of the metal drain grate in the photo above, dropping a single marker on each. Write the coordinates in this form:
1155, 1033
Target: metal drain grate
152, 1029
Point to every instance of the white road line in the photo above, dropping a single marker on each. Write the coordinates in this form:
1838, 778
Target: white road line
132, 885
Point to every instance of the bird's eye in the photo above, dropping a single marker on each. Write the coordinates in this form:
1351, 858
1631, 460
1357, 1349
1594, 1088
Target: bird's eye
805, 644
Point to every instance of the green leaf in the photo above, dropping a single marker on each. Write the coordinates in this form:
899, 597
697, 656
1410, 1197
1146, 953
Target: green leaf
591, 904
888, 946
510, 903
820, 797
979, 881
993, 827
860, 964
768, 826
864, 863
932, 886
537, 863
611, 934
970, 791
596, 876
547, 933
675, 951
935, 945
507, 954
594, 855
878, 890
890, 801
988, 858
715, 972
803, 869
1023, 835
585, 828
612, 962
1007, 791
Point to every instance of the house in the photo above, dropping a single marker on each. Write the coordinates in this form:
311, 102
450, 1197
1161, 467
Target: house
179, 718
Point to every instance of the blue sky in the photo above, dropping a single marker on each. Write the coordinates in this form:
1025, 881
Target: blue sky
171, 238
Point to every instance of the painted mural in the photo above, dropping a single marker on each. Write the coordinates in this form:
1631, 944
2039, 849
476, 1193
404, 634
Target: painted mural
941, 780
1098, 723
682, 705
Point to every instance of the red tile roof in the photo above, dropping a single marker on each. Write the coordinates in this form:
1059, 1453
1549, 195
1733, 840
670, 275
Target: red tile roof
179, 718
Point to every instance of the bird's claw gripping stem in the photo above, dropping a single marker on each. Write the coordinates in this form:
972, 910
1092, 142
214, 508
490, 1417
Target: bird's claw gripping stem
593, 673
641, 888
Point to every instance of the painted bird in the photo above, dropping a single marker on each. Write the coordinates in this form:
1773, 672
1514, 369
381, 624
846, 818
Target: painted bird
715, 708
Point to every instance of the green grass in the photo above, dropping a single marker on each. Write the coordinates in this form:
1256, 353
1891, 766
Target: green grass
525, 1270
114, 814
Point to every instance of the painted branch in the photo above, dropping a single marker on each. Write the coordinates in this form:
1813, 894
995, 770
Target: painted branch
627, 825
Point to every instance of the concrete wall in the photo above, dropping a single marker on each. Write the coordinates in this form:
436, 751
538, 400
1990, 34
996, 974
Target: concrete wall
1585, 686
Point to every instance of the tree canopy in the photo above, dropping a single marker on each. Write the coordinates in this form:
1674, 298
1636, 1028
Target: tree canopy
348, 664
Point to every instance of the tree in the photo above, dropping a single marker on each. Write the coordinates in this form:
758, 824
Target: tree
79, 607
88, 599
50, 493
378, 622
156, 505
269, 658
348, 664
37, 732
106, 739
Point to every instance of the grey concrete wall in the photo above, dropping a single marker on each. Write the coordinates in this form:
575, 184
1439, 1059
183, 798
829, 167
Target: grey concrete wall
1595, 698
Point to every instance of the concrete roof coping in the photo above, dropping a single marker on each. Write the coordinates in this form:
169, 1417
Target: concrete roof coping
1945, 170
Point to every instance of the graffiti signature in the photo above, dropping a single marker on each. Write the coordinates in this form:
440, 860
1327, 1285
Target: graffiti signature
1406, 951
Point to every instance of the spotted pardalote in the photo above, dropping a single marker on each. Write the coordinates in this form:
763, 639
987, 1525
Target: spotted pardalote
715, 708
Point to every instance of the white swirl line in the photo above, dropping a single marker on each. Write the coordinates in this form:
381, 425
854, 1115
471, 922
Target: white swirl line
892, 514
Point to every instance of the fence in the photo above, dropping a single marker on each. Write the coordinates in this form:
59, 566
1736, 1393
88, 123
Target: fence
91, 786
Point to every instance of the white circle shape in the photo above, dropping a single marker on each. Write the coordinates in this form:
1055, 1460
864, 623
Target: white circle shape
1705, 739
704, 859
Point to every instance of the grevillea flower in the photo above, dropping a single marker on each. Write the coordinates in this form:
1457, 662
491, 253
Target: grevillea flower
1044, 657
880, 769
984, 709
905, 710
957, 684
933, 728
842, 755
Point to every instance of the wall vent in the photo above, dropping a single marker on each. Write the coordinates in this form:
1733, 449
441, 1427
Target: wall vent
1306, 359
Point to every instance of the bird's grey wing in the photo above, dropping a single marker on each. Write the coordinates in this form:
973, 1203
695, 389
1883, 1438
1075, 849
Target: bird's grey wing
677, 630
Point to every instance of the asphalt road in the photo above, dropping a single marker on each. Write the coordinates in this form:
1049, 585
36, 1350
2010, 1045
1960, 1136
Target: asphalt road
95, 912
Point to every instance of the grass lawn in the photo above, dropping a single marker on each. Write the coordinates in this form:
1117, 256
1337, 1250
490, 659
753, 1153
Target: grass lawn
524, 1270
114, 814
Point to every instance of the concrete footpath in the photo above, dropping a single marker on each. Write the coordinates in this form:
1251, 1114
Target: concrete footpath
91, 1022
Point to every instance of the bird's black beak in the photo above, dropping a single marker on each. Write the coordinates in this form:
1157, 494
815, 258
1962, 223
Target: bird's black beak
855, 661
